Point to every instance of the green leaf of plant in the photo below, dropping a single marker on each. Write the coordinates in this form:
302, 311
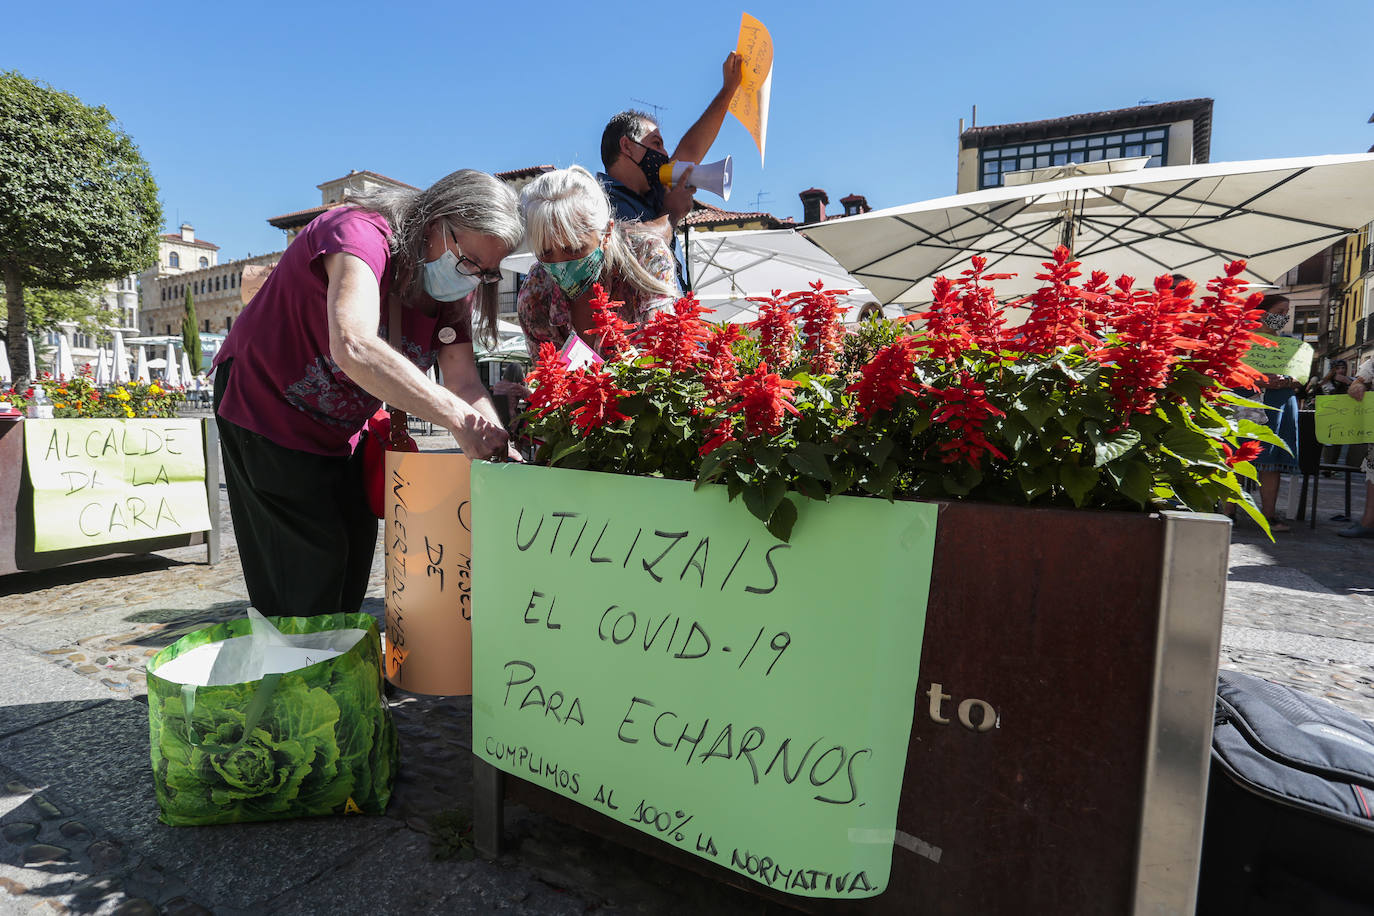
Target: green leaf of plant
1133, 479
1247, 504
1111, 446
783, 519
756, 503
570, 448
1249, 429
1077, 481
876, 450
1036, 481
810, 460
1189, 444
1035, 407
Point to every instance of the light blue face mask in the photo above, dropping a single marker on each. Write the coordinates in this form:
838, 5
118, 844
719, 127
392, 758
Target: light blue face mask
444, 281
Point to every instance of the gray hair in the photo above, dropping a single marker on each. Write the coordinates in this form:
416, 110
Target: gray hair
563, 206
464, 201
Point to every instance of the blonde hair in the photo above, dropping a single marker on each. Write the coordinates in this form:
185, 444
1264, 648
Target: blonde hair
564, 206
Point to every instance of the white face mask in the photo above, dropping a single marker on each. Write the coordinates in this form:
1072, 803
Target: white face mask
444, 281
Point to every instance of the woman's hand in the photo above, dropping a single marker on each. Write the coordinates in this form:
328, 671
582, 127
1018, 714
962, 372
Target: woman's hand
1357, 389
478, 437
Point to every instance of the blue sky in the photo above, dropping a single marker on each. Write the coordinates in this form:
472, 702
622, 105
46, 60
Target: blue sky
241, 110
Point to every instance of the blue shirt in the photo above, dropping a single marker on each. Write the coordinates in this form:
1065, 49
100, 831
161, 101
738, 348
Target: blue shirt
627, 204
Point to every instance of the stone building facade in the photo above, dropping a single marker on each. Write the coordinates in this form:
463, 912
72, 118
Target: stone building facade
215, 290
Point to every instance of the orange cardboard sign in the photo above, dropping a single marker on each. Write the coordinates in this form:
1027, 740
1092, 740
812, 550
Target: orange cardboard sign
750, 104
429, 572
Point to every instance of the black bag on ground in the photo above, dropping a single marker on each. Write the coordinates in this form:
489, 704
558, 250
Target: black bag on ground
1289, 802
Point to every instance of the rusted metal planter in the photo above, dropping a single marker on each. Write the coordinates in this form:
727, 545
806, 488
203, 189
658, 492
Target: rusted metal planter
1092, 639
16, 512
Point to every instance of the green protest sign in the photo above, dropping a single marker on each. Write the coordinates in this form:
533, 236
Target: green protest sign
653, 653
1289, 356
1342, 420
109, 481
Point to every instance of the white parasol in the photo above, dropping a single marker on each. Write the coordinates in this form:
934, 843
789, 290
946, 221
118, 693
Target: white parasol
1191, 219
119, 369
173, 375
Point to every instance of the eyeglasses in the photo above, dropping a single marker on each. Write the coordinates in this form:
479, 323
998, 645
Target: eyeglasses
472, 268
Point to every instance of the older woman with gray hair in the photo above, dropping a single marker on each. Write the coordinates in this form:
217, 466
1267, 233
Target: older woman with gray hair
308, 362
570, 231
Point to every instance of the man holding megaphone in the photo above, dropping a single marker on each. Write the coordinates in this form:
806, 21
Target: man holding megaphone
633, 152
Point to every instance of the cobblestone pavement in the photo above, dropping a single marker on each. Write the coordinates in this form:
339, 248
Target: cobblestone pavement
78, 829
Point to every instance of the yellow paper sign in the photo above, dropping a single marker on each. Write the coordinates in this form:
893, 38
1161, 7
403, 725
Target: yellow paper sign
1342, 420
429, 573
1289, 356
111, 481
750, 104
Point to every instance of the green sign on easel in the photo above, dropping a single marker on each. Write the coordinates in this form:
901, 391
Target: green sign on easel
652, 652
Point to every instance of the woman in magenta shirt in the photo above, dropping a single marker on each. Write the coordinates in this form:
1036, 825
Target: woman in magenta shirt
308, 362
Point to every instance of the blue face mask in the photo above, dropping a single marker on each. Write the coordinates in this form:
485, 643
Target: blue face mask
444, 281
576, 277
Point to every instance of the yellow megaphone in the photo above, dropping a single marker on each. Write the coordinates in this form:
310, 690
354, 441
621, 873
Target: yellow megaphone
709, 176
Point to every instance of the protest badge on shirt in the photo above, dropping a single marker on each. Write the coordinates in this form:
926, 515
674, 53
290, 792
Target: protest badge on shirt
576, 353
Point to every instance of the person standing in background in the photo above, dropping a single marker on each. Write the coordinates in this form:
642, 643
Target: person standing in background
1359, 386
632, 150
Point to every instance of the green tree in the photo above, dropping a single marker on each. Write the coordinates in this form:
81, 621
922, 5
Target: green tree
77, 201
190, 335
49, 309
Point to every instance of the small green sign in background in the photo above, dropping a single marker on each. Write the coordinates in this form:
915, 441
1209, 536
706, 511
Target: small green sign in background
653, 653
1289, 356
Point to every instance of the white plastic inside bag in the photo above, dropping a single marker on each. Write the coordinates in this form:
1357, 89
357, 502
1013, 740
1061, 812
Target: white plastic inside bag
267, 650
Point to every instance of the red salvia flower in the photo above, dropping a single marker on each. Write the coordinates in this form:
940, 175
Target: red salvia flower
721, 433
598, 396
549, 379
763, 398
613, 330
1057, 318
884, 377
1248, 450
963, 410
1222, 328
822, 334
776, 328
982, 314
721, 367
1147, 325
674, 337
945, 334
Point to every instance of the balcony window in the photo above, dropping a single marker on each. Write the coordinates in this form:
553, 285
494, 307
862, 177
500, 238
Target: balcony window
174, 260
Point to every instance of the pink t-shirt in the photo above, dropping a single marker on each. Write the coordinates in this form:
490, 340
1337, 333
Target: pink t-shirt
284, 385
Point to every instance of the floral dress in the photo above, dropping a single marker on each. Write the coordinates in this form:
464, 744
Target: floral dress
546, 313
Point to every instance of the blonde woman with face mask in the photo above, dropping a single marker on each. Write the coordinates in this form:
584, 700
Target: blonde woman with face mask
570, 230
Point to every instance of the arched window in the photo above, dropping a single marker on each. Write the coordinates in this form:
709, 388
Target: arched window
216, 289
174, 260
204, 262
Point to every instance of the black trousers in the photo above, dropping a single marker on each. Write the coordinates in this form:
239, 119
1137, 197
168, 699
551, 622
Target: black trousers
305, 534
